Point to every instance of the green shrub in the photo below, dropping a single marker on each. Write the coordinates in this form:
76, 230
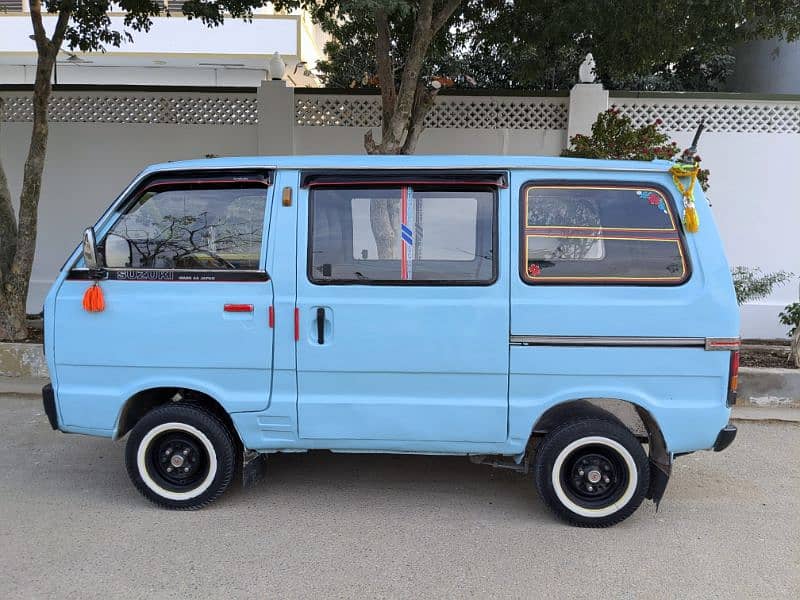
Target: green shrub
791, 317
615, 137
751, 283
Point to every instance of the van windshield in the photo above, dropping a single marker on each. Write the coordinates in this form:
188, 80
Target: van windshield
190, 229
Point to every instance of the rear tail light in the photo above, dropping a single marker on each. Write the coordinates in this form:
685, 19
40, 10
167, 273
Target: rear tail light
733, 378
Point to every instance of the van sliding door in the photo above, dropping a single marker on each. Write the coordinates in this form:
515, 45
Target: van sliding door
403, 308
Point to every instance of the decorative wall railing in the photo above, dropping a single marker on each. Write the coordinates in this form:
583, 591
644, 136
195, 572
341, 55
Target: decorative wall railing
722, 116
221, 109
313, 109
450, 112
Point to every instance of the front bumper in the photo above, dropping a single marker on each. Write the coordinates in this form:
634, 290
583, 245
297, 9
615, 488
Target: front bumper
725, 437
49, 401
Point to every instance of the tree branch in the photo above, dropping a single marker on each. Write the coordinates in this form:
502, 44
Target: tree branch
423, 101
39, 33
385, 63
61, 27
444, 14
420, 42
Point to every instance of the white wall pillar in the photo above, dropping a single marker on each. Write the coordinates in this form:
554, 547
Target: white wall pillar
586, 101
275, 118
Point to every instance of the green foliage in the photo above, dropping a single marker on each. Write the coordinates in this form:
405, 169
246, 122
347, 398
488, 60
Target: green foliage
791, 317
751, 283
614, 136
539, 44
670, 39
350, 54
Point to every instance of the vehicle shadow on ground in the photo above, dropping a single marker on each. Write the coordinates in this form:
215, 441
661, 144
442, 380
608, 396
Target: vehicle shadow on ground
96, 468
393, 480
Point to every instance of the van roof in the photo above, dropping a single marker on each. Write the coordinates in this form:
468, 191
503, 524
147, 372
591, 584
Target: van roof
439, 161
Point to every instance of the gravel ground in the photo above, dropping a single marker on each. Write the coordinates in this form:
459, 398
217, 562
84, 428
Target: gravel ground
345, 526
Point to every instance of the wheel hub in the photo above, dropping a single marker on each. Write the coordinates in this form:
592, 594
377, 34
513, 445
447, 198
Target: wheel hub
594, 476
179, 459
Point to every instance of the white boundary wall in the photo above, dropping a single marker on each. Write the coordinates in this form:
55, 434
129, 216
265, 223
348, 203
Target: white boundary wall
100, 138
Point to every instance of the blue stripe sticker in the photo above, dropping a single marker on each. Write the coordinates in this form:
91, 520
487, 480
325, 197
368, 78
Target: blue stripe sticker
406, 234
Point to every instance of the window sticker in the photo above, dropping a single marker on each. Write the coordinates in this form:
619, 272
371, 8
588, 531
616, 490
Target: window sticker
653, 199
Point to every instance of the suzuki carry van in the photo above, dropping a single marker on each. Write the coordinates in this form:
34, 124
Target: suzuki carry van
547, 315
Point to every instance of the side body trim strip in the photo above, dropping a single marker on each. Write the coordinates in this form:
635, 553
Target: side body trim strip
548, 340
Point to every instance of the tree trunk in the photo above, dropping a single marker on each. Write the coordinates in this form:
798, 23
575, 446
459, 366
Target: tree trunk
403, 110
404, 106
794, 352
18, 250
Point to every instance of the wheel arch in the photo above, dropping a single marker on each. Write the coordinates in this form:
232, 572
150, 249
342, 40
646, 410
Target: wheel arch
145, 400
633, 415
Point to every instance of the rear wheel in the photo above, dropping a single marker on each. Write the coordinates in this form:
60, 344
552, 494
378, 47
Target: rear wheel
591, 472
180, 456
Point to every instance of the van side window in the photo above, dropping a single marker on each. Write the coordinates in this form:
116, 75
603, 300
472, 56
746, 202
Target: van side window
402, 235
210, 229
585, 234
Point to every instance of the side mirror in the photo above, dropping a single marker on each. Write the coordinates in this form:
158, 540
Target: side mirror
90, 256
118, 251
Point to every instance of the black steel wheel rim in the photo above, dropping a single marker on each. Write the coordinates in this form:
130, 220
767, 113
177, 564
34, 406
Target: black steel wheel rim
594, 476
177, 461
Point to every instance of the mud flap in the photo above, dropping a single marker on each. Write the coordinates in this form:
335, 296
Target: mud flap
254, 467
660, 458
659, 477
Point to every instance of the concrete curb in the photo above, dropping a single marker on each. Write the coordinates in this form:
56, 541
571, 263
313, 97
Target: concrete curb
769, 387
22, 360
766, 414
22, 386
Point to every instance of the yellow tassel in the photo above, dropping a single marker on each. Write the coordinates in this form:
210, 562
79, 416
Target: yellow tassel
691, 222
93, 300
690, 219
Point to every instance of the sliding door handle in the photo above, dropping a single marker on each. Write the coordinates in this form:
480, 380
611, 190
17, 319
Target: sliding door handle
320, 325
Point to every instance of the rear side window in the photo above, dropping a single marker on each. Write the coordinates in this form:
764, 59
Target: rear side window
586, 234
402, 235
217, 228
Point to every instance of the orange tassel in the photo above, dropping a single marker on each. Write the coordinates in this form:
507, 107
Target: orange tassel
93, 300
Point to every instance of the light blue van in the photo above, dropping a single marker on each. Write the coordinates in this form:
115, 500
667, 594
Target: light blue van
547, 315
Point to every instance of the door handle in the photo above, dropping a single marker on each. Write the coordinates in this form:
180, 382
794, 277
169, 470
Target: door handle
320, 325
238, 308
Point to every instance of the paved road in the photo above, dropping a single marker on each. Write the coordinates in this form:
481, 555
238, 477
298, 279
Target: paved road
325, 525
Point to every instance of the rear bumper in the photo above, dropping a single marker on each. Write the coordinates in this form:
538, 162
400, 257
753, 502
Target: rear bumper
49, 401
725, 437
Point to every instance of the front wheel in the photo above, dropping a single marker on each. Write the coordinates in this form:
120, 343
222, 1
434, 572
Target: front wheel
180, 456
591, 472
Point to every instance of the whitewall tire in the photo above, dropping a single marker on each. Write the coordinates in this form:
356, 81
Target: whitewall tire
181, 456
591, 472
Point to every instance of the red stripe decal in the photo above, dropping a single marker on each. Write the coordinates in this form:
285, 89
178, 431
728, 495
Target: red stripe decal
431, 182
271, 317
296, 324
403, 219
200, 182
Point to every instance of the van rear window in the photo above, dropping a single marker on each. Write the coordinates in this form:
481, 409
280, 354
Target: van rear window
584, 234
